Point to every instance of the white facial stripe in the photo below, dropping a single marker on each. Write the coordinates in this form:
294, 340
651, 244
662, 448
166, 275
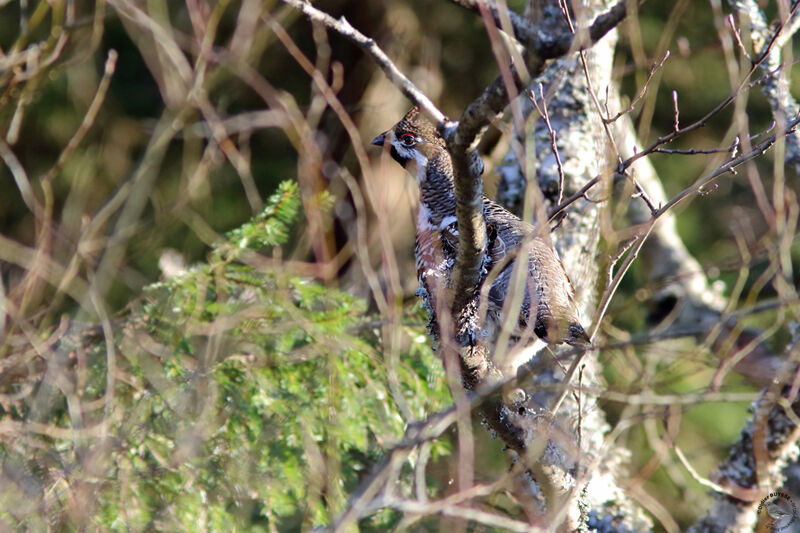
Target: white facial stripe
446, 221
404, 151
411, 153
416, 158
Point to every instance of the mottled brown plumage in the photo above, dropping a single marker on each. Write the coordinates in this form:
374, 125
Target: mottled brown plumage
415, 144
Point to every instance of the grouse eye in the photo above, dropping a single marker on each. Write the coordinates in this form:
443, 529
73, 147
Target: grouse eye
407, 139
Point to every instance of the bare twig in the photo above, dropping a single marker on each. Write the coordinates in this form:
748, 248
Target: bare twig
460, 512
640, 192
653, 69
20, 177
543, 113
665, 139
344, 28
524, 31
693, 151
676, 125
88, 117
737, 36
729, 166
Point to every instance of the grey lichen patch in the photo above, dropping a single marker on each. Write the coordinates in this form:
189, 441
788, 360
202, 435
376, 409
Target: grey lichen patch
512, 185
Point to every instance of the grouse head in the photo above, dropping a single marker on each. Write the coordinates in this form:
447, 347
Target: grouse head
413, 142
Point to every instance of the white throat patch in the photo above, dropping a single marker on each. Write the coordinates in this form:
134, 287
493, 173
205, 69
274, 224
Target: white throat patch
417, 163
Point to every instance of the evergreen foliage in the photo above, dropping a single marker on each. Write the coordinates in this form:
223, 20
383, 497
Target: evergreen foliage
233, 400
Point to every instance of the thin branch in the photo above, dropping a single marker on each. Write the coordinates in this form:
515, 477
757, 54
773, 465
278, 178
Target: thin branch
676, 111
20, 177
698, 186
461, 512
611, 288
665, 139
524, 31
88, 118
696, 476
543, 113
653, 69
693, 151
245, 122
345, 29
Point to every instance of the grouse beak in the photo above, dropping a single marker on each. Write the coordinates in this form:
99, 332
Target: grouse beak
379, 140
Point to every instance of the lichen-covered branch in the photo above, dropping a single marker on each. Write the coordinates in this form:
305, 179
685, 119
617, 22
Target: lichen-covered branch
776, 85
755, 463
